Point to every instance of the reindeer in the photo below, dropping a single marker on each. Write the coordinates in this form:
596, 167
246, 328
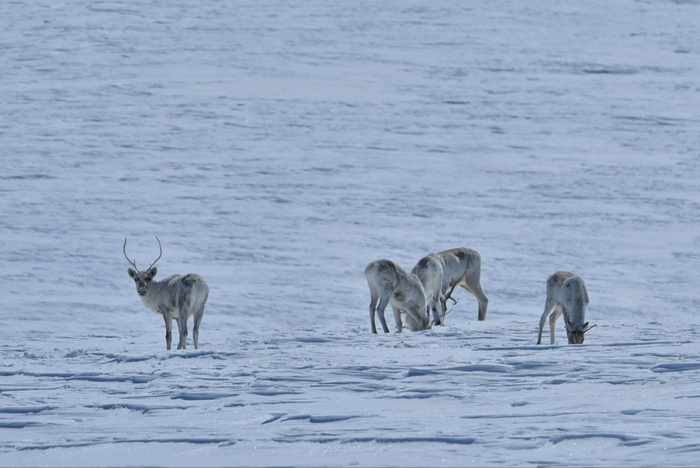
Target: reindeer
461, 267
390, 284
429, 271
176, 297
566, 295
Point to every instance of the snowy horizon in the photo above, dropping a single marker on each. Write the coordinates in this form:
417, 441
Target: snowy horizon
276, 150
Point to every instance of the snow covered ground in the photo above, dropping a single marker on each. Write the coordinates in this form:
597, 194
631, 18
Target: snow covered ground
276, 149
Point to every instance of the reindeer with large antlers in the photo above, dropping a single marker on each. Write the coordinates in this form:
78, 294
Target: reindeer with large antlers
176, 297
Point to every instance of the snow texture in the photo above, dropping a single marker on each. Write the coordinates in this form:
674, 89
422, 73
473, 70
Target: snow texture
278, 147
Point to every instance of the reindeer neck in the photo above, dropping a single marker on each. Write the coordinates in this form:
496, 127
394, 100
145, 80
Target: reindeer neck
152, 298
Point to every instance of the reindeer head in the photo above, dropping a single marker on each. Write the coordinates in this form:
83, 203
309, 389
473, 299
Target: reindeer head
143, 278
426, 323
416, 320
576, 336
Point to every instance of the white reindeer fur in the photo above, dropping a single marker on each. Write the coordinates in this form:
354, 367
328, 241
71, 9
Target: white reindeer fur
176, 297
462, 267
429, 271
391, 284
566, 295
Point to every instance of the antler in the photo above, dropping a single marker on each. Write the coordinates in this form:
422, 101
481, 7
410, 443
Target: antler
442, 318
589, 329
449, 294
127, 258
567, 325
161, 253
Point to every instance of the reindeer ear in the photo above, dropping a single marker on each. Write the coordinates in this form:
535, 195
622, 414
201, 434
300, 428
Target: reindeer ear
152, 272
132, 273
585, 325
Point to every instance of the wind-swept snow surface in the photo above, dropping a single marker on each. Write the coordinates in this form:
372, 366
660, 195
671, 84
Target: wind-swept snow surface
276, 149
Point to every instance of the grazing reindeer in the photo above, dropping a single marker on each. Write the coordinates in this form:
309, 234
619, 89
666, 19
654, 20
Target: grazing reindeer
566, 295
176, 297
461, 267
429, 271
390, 284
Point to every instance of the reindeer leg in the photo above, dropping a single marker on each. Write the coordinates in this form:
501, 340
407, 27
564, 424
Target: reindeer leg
195, 330
374, 297
483, 300
179, 332
548, 306
183, 327
473, 285
552, 321
443, 312
397, 319
383, 302
168, 329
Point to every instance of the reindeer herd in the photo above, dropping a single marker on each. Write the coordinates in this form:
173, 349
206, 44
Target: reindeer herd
434, 278
416, 295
